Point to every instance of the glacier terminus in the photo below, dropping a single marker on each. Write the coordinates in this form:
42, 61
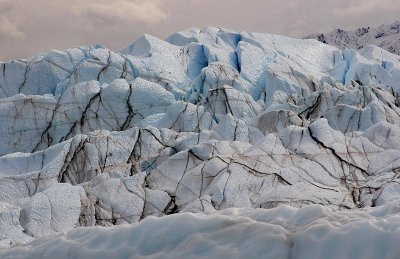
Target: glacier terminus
210, 143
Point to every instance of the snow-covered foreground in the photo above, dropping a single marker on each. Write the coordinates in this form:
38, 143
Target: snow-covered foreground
205, 121
284, 232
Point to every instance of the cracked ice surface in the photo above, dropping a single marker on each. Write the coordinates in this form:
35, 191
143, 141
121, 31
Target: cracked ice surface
206, 121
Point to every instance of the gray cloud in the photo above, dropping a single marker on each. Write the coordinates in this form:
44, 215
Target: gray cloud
6, 6
105, 12
9, 30
30, 27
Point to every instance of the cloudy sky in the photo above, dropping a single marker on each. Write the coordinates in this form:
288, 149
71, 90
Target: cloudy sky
31, 26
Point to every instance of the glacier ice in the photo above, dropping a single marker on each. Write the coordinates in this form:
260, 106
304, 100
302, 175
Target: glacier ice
284, 232
251, 131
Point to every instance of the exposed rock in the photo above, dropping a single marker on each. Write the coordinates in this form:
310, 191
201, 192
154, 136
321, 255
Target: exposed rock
385, 36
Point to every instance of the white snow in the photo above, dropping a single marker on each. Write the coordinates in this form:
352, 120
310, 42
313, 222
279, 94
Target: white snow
284, 232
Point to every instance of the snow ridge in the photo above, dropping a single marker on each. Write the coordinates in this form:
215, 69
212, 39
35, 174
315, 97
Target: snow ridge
385, 36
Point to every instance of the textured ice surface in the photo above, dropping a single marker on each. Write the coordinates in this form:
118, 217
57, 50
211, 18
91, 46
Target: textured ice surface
207, 121
284, 232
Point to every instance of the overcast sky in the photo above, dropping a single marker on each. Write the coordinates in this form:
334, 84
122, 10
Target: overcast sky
28, 27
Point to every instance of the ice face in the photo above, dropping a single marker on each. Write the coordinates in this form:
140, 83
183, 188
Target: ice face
205, 121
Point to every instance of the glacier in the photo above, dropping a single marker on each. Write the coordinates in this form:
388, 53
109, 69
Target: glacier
279, 147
